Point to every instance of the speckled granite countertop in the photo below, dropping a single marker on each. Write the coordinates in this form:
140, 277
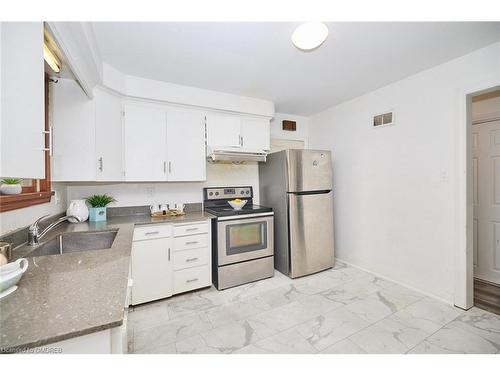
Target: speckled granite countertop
74, 294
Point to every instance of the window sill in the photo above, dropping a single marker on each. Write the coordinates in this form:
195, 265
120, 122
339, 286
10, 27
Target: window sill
13, 202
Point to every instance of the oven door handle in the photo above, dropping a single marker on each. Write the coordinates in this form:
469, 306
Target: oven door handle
241, 217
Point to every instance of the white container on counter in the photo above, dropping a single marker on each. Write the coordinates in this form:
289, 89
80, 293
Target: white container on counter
78, 208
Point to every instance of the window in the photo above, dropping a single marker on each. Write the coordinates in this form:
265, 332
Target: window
33, 191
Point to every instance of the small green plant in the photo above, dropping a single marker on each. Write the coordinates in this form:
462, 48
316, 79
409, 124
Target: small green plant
98, 200
11, 181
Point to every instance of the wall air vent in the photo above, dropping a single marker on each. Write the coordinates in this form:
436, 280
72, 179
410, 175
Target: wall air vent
383, 119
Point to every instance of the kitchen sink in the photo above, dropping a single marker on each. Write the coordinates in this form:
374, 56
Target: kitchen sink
74, 242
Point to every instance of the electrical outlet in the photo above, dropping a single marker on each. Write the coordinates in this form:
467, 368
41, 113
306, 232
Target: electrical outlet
57, 197
150, 191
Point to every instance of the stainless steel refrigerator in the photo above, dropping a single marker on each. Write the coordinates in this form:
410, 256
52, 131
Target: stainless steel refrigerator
297, 184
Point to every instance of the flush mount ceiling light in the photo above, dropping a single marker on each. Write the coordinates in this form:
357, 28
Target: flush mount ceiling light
309, 35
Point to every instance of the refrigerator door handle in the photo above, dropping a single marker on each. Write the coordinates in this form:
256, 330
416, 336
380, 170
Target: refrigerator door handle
311, 192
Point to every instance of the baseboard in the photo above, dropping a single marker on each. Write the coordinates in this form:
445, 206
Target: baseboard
448, 302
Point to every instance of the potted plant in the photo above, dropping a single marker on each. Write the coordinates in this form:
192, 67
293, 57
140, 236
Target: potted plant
98, 205
11, 186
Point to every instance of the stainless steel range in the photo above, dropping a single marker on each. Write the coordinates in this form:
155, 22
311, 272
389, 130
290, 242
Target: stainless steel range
242, 240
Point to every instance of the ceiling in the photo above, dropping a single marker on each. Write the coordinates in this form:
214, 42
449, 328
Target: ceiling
257, 59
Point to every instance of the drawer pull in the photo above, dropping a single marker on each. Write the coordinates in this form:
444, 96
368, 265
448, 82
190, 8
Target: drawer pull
191, 229
151, 233
192, 280
191, 259
191, 242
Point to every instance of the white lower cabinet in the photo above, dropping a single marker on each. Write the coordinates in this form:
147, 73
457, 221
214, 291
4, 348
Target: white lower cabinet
151, 268
191, 278
169, 259
190, 258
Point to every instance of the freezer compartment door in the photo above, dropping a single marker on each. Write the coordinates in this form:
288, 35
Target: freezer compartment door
311, 233
309, 170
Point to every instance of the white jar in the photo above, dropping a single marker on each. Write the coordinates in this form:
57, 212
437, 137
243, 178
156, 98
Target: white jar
78, 208
11, 189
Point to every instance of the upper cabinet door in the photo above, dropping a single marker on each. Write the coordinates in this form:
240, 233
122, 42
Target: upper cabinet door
223, 130
108, 136
186, 146
255, 134
145, 143
73, 120
22, 100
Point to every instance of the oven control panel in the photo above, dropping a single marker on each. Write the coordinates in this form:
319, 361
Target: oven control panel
228, 193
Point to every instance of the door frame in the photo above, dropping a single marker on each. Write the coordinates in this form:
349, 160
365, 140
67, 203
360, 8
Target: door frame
464, 234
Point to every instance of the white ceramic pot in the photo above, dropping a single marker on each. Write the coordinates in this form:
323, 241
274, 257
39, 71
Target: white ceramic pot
11, 189
10, 274
78, 208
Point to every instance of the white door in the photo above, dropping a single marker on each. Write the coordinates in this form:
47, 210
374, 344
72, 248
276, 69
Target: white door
151, 270
145, 137
255, 134
486, 169
22, 100
108, 136
223, 130
186, 145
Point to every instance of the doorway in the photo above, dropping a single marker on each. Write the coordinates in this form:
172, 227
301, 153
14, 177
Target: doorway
485, 175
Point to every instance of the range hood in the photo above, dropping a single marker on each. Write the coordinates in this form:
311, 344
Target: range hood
236, 156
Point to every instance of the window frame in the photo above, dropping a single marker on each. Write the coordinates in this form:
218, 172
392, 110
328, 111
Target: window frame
34, 195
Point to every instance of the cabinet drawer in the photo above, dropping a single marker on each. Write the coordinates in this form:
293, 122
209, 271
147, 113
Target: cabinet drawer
148, 232
191, 278
190, 242
194, 228
190, 258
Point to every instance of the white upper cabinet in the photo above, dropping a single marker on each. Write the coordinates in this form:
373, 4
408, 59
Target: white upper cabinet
145, 143
73, 120
87, 134
238, 132
185, 145
223, 131
255, 133
22, 100
108, 136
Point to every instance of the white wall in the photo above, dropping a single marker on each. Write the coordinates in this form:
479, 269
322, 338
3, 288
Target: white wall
144, 193
396, 187
15, 219
138, 87
301, 134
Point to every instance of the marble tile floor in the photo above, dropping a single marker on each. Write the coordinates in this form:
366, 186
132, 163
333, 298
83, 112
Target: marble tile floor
342, 310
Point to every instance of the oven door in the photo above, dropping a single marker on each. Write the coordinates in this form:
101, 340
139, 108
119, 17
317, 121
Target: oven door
241, 239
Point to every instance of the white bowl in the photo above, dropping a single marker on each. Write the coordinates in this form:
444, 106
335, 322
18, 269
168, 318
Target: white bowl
237, 206
11, 273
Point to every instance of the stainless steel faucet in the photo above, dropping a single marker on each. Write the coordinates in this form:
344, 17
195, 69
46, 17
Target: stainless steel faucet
33, 231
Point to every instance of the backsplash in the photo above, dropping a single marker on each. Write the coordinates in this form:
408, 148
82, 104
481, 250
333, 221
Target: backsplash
136, 194
146, 193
